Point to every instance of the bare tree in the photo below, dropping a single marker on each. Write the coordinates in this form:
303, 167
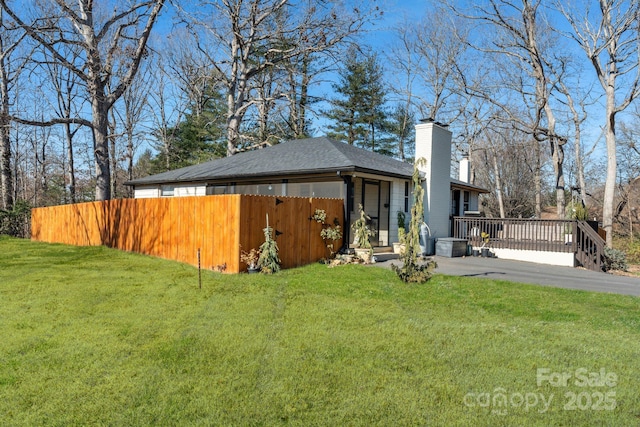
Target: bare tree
612, 45
68, 101
113, 45
439, 44
521, 34
167, 107
499, 98
404, 62
300, 73
135, 101
578, 116
244, 39
512, 194
9, 72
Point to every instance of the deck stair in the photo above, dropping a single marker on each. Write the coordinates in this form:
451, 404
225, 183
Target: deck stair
539, 235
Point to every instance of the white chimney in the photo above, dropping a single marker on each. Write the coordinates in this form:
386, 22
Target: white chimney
433, 143
464, 174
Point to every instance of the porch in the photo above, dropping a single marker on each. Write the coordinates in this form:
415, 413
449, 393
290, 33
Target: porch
578, 243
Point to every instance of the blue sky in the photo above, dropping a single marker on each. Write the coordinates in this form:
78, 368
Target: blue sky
380, 37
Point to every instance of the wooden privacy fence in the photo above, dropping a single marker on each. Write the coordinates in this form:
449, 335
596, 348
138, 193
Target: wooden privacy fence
176, 227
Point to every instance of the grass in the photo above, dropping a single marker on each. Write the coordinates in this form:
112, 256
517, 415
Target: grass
94, 336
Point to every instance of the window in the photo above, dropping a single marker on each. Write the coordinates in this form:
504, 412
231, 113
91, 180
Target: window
466, 201
167, 190
218, 189
260, 189
351, 190
330, 189
406, 196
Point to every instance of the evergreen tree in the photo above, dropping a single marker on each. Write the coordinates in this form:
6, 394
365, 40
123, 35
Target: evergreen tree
400, 129
200, 137
358, 115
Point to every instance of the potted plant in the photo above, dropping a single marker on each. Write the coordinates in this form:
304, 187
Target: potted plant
576, 212
251, 259
362, 233
399, 246
486, 239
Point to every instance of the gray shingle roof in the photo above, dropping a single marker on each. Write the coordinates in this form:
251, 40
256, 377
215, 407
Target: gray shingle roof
296, 157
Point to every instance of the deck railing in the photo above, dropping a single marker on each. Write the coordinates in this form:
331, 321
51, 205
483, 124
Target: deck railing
589, 247
545, 235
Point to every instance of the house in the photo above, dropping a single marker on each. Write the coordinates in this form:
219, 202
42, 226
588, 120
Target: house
322, 167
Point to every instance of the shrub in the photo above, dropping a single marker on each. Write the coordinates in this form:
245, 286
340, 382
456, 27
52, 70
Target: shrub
268, 261
630, 246
16, 221
614, 259
411, 270
362, 230
577, 211
328, 233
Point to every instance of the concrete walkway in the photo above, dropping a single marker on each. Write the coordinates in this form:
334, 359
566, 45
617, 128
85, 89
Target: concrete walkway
528, 272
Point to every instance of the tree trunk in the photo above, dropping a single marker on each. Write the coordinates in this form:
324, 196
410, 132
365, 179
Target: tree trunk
558, 160
580, 169
113, 155
233, 134
100, 111
70, 164
6, 182
610, 181
301, 130
577, 147
557, 155
538, 181
496, 170
130, 152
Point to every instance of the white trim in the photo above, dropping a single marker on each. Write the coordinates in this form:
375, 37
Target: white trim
566, 259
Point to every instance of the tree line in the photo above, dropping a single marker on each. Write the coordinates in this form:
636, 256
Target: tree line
93, 94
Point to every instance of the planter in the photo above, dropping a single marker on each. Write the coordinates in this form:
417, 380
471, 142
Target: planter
451, 247
398, 248
253, 270
484, 252
364, 254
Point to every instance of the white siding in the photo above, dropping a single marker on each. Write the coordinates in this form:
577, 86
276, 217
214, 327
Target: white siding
397, 204
183, 190
146, 192
179, 190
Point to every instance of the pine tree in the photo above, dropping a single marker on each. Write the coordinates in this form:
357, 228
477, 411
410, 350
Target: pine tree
401, 130
199, 137
358, 115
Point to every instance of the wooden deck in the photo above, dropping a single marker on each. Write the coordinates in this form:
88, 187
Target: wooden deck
543, 235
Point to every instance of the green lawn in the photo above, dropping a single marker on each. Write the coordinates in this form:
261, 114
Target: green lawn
94, 336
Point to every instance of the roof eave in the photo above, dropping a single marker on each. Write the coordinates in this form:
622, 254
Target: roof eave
466, 186
282, 174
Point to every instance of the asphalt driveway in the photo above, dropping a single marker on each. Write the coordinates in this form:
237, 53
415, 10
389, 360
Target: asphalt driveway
528, 272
